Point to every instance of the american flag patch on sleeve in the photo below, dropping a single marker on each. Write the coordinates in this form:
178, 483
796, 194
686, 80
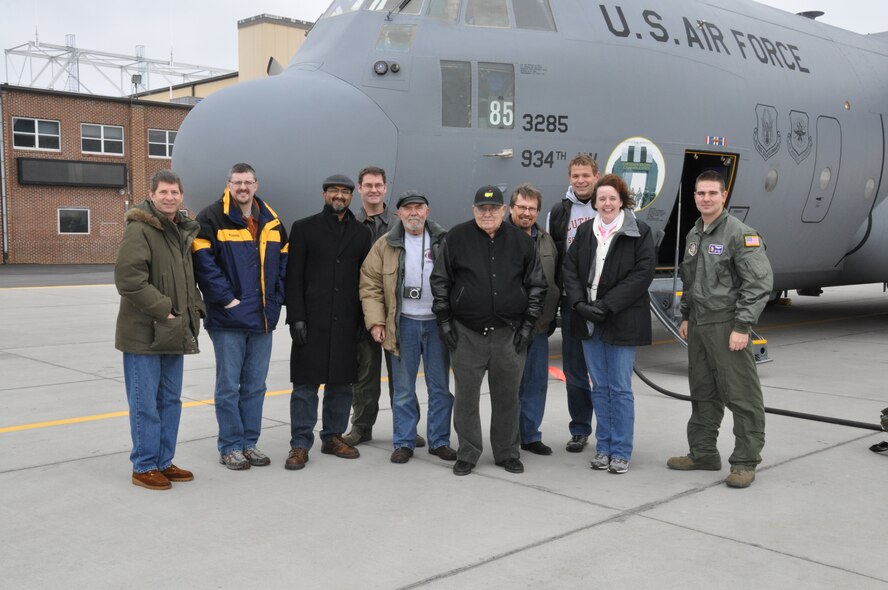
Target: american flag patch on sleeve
752, 241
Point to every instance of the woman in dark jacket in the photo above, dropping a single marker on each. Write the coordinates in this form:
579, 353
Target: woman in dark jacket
607, 272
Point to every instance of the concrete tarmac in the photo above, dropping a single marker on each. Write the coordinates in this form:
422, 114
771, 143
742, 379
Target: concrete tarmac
814, 518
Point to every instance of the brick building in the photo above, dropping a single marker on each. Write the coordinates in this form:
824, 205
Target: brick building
72, 165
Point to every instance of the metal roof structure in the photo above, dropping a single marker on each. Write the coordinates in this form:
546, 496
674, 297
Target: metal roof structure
70, 68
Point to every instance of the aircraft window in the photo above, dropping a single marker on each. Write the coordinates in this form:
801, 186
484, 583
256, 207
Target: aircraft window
496, 96
446, 10
456, 94
395, 37
345, 6
533, 14
487, 13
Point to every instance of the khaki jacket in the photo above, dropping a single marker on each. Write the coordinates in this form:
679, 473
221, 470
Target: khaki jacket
382, 280
154, 277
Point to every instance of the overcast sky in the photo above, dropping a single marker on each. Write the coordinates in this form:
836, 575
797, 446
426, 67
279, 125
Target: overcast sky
204, 32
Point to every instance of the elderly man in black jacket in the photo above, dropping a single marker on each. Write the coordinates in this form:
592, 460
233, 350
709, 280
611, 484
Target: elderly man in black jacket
488, 288
324, 315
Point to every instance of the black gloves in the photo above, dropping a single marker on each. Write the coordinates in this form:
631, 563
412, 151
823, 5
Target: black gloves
523, 336
595, 312
299, 333
448, 335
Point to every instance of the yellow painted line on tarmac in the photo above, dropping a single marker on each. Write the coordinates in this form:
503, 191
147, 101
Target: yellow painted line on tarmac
122, 413
57, 287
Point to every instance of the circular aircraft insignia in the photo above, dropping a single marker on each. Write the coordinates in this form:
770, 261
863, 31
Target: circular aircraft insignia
640, 163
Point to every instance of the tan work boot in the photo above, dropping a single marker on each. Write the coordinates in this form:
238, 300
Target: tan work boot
686, 463
741, 478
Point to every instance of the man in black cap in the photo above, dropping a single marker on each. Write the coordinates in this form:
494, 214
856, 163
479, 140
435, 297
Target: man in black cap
324, 315
488, 288
397, 303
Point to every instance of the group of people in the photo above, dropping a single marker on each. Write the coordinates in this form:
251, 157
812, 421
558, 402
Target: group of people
479, 299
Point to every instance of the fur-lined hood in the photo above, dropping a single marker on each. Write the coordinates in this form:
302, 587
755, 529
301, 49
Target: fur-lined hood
146, 213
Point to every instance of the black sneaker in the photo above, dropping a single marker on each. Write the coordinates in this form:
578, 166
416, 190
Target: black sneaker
462, 468
537, 448
577, 443
511, 465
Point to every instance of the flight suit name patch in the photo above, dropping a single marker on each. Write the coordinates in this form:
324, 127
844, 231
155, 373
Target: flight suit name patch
716, 249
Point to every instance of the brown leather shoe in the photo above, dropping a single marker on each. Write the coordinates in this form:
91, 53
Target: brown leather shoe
297, 459
173, 473
336, 446
151, 480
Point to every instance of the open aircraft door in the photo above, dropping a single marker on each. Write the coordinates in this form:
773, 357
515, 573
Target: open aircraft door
826, 170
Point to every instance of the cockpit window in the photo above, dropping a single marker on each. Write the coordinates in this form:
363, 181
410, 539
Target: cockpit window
533, 14
344, 6
395, 37
456, 94
446, 10
487, 13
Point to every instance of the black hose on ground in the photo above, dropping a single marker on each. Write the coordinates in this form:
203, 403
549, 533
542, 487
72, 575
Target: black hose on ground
778, 411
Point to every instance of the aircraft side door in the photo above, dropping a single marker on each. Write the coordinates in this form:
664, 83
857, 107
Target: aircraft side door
826, 170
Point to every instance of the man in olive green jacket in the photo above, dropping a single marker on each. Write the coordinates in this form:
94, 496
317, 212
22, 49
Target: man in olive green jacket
726, 282
158, 323
524, 208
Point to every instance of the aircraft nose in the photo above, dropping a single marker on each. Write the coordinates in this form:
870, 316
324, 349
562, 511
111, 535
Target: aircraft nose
294, 129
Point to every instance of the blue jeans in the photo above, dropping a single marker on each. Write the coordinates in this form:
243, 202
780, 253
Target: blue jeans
532, 391
610, 367
241, 368
304, 412
579, 394
420, 339
154, 392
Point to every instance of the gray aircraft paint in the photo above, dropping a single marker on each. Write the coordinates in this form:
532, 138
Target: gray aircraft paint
745, 79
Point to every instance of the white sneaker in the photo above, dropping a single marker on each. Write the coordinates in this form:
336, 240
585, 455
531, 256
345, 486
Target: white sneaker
618, 466
600, 461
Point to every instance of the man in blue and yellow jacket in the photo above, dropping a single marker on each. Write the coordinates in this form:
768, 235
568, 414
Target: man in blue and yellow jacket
240, 260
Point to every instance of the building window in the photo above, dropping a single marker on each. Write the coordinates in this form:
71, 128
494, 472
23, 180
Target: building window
101, 139
73, 221
35, 134
160, 143
456, 94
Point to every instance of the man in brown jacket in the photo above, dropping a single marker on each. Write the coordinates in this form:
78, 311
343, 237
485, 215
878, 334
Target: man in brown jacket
397, 302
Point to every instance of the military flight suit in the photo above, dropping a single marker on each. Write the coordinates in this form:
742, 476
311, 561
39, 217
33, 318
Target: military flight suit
727, 280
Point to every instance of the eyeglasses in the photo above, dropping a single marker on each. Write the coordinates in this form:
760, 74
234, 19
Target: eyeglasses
487, 209
241, 183
523, 209
370, 187
338, 191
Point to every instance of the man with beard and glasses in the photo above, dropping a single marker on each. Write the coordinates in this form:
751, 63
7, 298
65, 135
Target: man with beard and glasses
240, 257
324, 314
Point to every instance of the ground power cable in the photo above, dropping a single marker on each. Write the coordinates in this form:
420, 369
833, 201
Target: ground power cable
777, 411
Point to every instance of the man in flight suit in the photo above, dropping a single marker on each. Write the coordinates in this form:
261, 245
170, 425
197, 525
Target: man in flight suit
726, 281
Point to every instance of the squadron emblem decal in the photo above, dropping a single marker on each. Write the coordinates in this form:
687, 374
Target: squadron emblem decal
800, 141
766, 136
